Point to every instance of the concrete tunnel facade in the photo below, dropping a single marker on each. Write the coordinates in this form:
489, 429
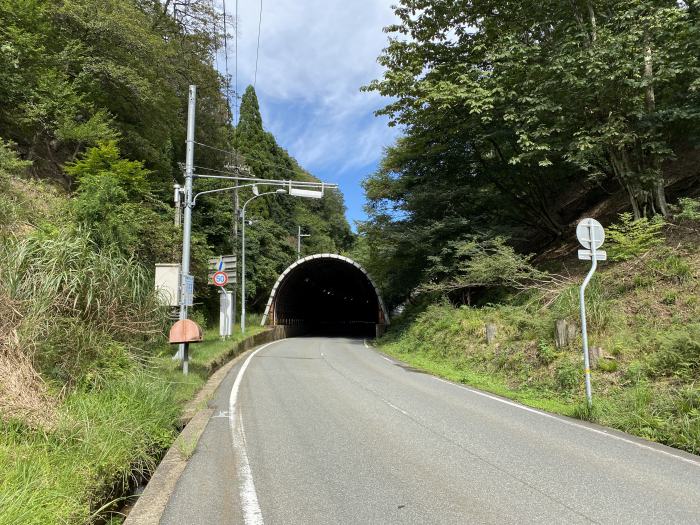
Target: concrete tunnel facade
327, 293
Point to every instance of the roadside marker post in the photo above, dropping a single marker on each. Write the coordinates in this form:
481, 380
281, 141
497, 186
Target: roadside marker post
590, 234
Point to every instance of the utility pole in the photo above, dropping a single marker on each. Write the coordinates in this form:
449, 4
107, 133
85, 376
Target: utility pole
187, 220
235, 251
299, 236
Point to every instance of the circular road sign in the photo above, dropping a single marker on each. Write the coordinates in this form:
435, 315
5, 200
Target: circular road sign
590, 234
220, 278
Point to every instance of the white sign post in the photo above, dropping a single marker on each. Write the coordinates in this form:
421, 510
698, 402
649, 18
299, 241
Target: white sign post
591, 235
225, 314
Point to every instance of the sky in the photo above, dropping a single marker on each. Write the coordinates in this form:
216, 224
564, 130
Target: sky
314, 57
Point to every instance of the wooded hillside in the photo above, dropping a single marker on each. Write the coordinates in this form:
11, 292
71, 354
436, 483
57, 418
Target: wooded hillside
521, 117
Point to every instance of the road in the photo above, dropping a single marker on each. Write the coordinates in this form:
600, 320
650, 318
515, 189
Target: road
322, 430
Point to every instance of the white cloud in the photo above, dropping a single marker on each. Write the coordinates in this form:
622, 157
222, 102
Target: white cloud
314, 57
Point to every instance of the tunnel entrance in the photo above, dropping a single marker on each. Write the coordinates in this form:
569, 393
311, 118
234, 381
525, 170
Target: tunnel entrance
327, 294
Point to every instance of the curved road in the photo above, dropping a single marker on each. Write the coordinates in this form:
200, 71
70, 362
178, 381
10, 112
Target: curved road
321, 430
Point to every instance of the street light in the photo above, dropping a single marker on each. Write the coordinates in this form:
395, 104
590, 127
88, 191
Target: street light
299, 236
255, 196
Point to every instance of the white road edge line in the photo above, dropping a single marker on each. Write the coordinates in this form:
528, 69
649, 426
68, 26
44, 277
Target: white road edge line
249, 497
570, 423
387, 359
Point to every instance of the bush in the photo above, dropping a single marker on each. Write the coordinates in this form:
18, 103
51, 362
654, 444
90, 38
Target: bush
73, 302
568, 376
688, 210
630, 238
115, 204
678, 353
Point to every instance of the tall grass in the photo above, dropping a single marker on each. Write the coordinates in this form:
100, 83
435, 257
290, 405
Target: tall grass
74, 304
100, 440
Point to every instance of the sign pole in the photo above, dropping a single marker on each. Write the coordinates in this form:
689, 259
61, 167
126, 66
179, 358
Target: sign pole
584, 328
591, 235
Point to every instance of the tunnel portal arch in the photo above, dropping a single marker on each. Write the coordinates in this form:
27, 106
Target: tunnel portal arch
326, 292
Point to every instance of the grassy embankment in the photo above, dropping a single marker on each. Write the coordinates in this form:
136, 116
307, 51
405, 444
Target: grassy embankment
89, 397
99, 440
645, 315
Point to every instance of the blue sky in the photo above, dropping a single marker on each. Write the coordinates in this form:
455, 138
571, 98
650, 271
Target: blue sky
314, 57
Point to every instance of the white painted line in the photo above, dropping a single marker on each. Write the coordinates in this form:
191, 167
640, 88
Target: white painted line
387, 359
252, 514
570, 423
395, 407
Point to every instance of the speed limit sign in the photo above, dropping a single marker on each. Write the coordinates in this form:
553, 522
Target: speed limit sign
220, 278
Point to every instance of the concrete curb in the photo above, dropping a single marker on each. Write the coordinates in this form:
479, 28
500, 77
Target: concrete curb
150, 506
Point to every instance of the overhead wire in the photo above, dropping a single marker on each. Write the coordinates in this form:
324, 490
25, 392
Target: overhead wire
227, 76
235, 114
257, 50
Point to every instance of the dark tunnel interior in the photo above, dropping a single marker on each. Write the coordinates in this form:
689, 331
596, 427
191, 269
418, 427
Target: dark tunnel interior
328, 296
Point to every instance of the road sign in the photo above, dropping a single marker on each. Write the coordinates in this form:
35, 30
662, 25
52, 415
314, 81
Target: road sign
590, 234
223, 263
188, 290
220, 279
587, 255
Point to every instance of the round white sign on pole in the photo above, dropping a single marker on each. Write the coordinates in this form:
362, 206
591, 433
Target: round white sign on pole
220, 278
590, 234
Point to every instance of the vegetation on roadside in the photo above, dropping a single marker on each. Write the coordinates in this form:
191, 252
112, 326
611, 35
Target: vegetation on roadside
643, 316
92, 131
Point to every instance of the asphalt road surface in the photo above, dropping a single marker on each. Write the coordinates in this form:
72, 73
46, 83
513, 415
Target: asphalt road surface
322, 430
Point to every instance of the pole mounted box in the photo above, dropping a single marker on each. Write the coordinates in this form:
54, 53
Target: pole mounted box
167, 283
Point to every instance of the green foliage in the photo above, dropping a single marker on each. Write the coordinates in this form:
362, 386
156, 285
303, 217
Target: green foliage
480, 263
630, 238
510, 128
115, 203
62, 476
678, 354
78, 305
10, 163
80, 72
568, 376
599, 310
672, 268
645, 381
688, 210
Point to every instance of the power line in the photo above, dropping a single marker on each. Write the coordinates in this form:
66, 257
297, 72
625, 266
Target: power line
257, 50
227, 76
235, 114
248, 157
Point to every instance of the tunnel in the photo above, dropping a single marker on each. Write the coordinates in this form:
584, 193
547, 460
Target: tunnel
327, 294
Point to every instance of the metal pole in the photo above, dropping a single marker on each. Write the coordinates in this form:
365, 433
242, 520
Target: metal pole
299, 243
187, 221
584, 330
235, 250
243, 267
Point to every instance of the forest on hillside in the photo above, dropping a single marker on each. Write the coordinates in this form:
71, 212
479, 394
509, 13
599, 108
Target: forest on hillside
518, 119
94, 99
